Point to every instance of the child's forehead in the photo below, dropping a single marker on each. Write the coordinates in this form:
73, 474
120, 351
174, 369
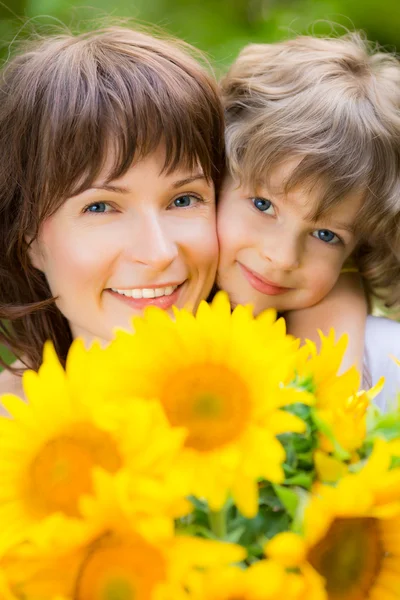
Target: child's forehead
276, 179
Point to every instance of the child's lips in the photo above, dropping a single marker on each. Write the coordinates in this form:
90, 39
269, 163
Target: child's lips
261, 284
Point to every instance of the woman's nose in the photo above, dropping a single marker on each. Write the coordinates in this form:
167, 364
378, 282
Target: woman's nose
154, 244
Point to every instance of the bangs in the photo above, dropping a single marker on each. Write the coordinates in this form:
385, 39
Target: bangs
109, 102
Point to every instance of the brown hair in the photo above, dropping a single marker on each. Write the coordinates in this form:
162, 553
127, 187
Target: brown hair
335, 104
63, 101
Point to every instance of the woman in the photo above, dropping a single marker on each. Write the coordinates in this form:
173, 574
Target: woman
112, 147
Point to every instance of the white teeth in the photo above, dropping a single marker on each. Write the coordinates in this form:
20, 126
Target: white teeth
146, 292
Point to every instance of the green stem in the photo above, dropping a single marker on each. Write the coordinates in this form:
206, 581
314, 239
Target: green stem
217, 520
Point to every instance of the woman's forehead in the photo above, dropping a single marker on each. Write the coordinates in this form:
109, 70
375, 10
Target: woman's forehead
110, 171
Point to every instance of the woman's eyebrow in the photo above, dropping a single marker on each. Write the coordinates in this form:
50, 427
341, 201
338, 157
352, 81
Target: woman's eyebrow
111, 188
117, 189
181, 182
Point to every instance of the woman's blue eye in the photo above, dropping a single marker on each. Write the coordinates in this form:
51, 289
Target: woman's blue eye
262, 204
184, 201
327, 236
97, 207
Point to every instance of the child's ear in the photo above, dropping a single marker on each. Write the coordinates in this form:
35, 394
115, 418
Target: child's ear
34, 253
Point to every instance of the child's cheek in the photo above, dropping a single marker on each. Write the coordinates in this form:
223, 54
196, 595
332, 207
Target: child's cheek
321, 280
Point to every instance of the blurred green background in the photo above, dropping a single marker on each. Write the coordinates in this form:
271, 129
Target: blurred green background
218, 27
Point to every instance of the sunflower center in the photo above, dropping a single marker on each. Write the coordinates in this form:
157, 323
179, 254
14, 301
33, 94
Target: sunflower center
120, 571
211, 401
119, 588
349, 557
62, 469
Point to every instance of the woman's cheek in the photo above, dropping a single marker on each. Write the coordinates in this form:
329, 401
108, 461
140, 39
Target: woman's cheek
198, 239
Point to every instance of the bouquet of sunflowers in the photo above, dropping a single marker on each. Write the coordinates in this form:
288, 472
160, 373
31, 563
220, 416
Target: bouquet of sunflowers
203, 457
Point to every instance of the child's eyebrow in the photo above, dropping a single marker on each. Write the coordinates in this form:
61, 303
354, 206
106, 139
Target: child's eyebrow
350, 227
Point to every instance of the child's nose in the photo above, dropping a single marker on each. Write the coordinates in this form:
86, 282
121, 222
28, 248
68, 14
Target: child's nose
284, 254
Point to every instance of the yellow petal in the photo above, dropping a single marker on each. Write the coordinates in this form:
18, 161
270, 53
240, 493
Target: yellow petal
395, 360
374, 391
283, 422
246, 497
329, 469
265, 579
286, 548
394, 447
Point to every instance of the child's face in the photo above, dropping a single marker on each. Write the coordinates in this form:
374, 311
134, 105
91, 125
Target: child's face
149, 235
271, 254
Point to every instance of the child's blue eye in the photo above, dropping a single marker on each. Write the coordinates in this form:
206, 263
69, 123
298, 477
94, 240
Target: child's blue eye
97, 207
327, 236
263, 205
185, 201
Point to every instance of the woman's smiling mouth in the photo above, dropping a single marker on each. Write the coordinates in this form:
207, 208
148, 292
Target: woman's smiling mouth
162, 296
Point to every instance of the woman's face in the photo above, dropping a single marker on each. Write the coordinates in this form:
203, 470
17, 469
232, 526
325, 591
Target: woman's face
147, 238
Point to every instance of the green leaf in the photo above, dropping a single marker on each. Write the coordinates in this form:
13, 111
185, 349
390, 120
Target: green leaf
304, 383
199, 505
386, 426
265, 525
196, 530
324, 428
268, 497
298, 521
235, 535
303, 480
289, 499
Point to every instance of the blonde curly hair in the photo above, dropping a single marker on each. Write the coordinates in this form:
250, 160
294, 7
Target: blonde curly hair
335, 104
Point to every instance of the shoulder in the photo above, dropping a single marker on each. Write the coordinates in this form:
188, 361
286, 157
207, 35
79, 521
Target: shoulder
382, 336
10, 384
382, 341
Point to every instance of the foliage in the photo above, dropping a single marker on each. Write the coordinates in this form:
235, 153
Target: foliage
219, 28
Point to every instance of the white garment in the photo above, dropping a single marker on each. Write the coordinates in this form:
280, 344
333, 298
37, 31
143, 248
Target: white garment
382, 339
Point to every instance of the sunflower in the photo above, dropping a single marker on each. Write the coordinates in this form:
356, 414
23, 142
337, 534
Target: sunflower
322, 368
351, 533
118, 561
219, 376
52, 443
339, 406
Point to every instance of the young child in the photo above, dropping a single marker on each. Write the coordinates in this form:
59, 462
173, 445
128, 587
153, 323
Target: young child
313, 145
